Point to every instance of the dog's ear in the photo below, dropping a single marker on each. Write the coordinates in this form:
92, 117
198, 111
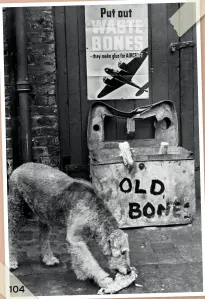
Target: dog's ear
114, 244
125, 245
126, 235
115, 252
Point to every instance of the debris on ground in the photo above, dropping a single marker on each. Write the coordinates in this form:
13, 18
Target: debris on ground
121, 282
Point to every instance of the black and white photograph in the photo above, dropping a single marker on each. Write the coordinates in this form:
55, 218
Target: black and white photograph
104, 149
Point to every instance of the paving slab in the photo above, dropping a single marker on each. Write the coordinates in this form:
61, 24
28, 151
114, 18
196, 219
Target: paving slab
181, 277
190, 253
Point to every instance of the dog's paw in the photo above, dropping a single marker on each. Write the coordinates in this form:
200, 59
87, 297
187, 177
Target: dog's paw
50, 260
13, 265
104, 283
101, 291
110, 289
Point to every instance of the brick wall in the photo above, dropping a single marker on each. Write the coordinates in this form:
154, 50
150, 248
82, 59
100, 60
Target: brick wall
42, 76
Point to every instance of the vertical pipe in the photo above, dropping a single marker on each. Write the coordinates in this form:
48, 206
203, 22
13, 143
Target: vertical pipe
23, 86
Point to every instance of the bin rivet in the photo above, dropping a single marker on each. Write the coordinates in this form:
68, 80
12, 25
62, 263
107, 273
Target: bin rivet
141, 166
96, 127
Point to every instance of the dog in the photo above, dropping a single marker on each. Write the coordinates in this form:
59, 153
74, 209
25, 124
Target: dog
59, 199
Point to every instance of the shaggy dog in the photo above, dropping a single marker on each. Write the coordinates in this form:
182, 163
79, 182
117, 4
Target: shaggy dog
59, 199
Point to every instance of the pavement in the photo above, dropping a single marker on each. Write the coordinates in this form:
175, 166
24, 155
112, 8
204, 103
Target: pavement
168, 259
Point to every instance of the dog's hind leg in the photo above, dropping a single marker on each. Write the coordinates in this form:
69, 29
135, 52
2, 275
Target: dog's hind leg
15, 217
83, 263
47, 255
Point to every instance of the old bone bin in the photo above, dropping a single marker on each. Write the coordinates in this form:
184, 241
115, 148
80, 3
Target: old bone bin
145, 182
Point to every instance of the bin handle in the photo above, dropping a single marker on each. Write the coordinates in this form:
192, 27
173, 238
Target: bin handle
166, 127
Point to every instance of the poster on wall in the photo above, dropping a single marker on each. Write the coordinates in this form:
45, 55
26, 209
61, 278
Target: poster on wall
117, 51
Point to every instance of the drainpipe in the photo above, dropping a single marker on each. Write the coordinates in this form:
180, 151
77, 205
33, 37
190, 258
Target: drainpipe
22, 85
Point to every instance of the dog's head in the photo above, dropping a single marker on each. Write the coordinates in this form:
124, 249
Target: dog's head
119, 259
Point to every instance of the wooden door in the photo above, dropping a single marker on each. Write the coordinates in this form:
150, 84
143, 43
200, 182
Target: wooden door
172, 77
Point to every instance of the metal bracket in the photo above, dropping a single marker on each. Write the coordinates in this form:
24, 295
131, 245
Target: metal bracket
180, 45
23, 86
130, 126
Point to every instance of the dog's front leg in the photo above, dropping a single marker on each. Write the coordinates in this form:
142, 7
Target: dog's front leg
84, 264
47, 255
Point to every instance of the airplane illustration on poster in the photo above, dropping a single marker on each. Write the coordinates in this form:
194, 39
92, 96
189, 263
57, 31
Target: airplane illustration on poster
124, 76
